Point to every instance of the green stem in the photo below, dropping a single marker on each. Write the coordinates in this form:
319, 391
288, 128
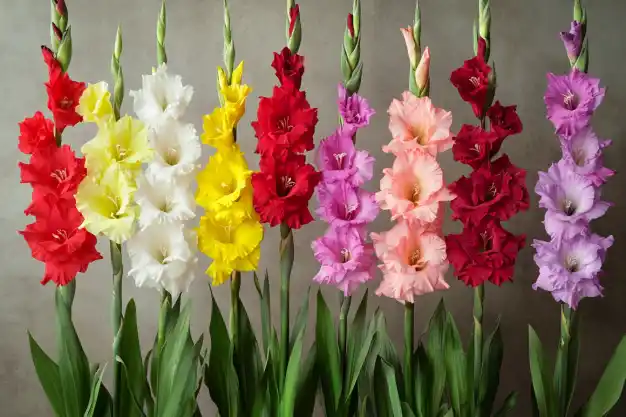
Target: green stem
409, 336
566, 332
118, 270
235, 287
479, 299
286, 250
343, 330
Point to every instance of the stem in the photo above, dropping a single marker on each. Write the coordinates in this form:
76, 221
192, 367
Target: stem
566, 332
118, 270
409, 336
235, 286
479, 299
343, 331
286, 250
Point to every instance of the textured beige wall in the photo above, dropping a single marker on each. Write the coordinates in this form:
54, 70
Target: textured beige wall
525, 47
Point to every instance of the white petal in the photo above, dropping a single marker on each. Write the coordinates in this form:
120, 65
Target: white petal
177, 152
163, 202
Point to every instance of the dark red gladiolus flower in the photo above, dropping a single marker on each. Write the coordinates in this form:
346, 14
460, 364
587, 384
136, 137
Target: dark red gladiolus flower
351, 25
36, 134
58, 172
282, 191
474, 146
497, 191
57, 240
50, 60
483, 253
472, 81
289, 68
294, 12
504, 120
285, 124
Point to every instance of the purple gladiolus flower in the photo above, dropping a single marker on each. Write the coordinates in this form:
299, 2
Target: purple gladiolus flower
570, 268
354, 109
347, 260
573, 40
338, 160
341, 204
583, 153
571, 200
571, 100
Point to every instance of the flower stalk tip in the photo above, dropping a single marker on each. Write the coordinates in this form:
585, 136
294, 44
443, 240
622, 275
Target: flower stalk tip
118, 76
351, 65
294, 27
417, 28
161, 26
229, 45
64, 51
484, 25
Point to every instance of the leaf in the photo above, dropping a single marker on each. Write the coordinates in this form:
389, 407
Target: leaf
385, 372
96, 383
435, 350
539, 375
327, 355
133, 379
220, 375
360, 345
455, 366
48, 374
288, 397
104, 405
301, 320
490, 374
266, 317
508, 405
246, 360
609, 389
307, 385
423, 382
73, 365
406, 410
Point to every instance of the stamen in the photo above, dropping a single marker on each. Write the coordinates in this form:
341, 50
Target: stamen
569, 100
121, 152
475, 81
416, 261
345, 255
288, 182
339, 158
568, 207
476, 148
59, 174
171, 156
579, 157
493, 190
415, 193
284, 125
66, 103
60, 235
571, 263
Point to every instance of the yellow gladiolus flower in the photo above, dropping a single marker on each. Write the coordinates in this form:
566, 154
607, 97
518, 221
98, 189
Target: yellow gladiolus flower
233, 95
95, 104
232, 247
123, 143
218, 128
107, 205
224, 187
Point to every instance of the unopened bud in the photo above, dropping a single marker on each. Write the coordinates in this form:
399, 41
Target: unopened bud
422, 72
350, 25
411, 46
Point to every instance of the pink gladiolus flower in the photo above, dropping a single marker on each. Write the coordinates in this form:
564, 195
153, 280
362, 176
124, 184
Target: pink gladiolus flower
416, 124
413, 188
414, 261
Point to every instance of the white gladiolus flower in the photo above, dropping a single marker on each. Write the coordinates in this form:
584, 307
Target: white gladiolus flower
162, 96
163, 256
177, 150
163, 202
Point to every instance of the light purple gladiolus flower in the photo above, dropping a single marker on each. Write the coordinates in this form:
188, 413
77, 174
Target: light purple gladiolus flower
341, 204
573, 40
339, 160
583, 152
347, 260
571, 200
571, 100
354, 109
570, 268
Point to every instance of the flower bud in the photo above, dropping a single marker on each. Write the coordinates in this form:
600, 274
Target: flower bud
411, 47
350, 25
422, 72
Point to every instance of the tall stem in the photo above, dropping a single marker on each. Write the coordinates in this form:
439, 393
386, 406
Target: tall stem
409, 336
563, 399
286, 250
235, 287
343, 330
118, 270
479, 299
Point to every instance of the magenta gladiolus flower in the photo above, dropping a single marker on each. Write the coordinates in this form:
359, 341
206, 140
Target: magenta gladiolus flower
571, 100
573, 40
347, 260
341, 204
339, 160
583, 152
354, 109
570, 268
571, 200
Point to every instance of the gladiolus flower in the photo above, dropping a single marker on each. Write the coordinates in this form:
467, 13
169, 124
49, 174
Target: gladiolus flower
354, 109
218, 128
36, 134
472, 82
163, 202
343, 205
176, 152
289, 68
95, 103
339, 160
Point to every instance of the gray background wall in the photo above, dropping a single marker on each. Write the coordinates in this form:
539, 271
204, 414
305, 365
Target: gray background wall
525, 47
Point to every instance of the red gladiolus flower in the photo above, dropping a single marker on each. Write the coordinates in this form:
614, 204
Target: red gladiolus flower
474, 146
36, 134
484, 253
63, 94
289, 68
282, 191
57, 240
294, 12
495, 192
58, 172
504, 120
472, 81
286, 124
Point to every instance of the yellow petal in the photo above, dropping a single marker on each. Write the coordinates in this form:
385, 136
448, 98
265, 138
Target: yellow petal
237, 74
222, 79
95, 104
218, 128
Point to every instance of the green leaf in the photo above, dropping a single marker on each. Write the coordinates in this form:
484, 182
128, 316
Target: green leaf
104, 405
327, 355
220, 375
611, 385
246, 360
572, 359
133, 380
385, 379
490, 374
406, 410
266, 316
48, 374
307, 385
74, 374
455, 367
435, 350
301, 320
508, 405
96, 383
539, 374
288, 397
423, 382
360, 346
